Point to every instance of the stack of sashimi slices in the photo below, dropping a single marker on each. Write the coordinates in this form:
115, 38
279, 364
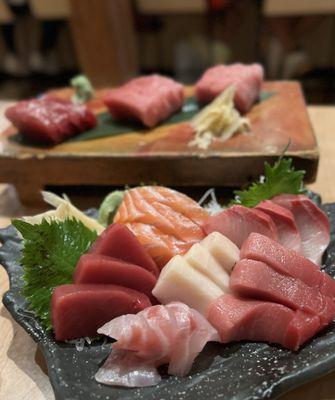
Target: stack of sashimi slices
241, 274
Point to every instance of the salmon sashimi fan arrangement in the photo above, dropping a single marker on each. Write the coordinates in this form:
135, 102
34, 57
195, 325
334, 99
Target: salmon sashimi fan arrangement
173, 334
148, 99
50, 120
247, 80
165, 221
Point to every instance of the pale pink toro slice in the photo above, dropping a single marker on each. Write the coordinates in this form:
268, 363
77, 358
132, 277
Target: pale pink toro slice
247, 80
148, 99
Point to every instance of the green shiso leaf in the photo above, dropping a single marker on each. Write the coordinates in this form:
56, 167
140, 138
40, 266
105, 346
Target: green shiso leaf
109, 207
279, 178
51, 251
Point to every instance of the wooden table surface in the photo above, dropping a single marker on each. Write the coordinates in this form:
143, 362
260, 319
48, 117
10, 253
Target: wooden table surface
22, 371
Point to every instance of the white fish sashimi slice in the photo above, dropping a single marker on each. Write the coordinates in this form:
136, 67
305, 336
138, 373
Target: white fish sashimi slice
124, 368
194, 334
312, 223
181, 334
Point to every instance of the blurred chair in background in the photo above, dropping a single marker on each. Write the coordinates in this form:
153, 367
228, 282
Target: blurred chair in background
12, 62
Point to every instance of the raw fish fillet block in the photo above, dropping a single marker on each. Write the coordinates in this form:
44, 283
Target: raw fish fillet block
247, 80
288, 233
119, 242
312, 223
165, 222
287, 262
96, 268
254, 279
148, 99
78, 310
173, 334
50, 120
237, 319
237, 222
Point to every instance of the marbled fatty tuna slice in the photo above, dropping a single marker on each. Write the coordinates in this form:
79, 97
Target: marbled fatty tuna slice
247, 80
50, 120
148, 99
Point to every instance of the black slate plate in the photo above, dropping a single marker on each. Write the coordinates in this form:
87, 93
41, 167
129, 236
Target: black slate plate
237, 371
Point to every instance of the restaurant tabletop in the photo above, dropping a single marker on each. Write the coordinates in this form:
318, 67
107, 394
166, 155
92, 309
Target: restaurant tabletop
22, 368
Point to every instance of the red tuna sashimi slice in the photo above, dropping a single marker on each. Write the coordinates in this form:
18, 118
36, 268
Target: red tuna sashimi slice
96, 268
312, 223
287, 262
119, 242
149, 99
173, 334
237, 222
288, 234
254, 279
237, 319
50, 120
79, 310
247, 80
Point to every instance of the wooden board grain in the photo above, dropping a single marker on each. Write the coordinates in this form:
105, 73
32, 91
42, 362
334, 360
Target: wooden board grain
163, 155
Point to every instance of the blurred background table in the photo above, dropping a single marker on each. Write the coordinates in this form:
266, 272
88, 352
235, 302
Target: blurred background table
22, 370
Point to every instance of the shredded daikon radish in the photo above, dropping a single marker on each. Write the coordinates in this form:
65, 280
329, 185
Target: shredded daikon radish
211, 205
219, 119
64, 209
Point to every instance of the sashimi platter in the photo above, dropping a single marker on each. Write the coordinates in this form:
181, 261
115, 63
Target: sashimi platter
158, 296
218, 132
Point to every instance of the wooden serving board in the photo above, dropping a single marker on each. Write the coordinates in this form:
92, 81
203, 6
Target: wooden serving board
128, 154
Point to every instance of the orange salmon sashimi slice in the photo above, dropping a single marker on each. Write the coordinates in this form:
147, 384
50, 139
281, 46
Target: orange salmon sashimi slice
165, 221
